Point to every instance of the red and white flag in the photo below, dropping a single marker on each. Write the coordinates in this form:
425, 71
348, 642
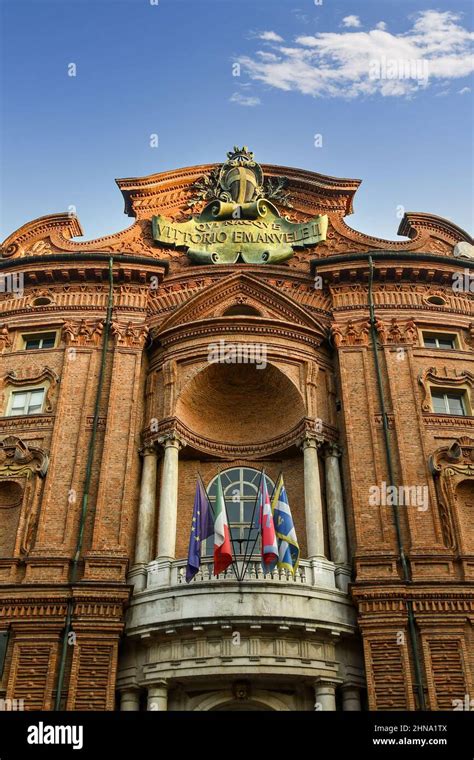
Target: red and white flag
267, 527
222, 544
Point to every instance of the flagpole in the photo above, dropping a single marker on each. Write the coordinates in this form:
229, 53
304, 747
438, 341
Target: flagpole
262, 475
234, 562
244, 567
271, 499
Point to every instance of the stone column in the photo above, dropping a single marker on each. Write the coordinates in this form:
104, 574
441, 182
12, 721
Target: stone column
325, 694
158, 696
129, 700
172, 445
168, 510
146, 518
350, 698
312, 498
322, 569
335, 513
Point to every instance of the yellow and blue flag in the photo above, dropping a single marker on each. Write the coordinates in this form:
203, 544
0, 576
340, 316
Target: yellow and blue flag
288, 548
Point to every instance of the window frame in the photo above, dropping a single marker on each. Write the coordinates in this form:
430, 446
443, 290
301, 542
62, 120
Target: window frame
41, 335
437, 335
27, 391
446, 392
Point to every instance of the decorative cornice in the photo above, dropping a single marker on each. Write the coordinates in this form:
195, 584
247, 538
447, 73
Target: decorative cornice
229, 451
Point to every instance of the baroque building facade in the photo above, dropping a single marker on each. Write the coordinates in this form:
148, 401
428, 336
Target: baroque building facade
341, 360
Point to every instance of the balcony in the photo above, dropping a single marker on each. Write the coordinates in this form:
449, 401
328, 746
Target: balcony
309, 599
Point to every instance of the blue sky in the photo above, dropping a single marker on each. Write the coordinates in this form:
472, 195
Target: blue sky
167, 69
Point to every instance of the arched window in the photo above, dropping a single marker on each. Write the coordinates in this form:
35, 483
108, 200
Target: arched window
240, 486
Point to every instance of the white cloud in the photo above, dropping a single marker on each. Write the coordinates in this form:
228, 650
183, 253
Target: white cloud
351, 21
340, 64
381, 25
265, 56
244, 100
270, 37
464, 91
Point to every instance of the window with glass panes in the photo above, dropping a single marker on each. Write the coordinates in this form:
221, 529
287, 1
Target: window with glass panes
448, 402
26, 402
39, 340
240, 486
439, 340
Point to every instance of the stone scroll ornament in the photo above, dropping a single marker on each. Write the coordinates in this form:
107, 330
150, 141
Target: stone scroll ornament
239, 223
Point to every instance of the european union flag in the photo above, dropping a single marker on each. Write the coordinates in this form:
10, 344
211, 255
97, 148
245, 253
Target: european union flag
288, 549
201, 528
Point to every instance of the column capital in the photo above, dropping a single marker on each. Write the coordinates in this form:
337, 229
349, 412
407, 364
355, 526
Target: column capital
331, 449
348, 685
148, 449
171, 440
160, 683
331, 682
310, 441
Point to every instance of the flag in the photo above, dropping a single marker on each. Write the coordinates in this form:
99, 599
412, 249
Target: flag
269, 542
288, 550
201, 528
222, 547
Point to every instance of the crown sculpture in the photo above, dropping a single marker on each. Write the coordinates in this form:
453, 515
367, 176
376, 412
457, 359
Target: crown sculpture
239, 221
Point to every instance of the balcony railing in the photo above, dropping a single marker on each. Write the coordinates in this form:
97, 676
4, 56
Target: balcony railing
253, 572
317, 572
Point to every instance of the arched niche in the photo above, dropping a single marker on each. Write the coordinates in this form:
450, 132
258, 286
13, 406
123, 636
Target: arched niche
240, 403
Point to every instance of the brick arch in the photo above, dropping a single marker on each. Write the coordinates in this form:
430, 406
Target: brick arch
464, 496
11, 499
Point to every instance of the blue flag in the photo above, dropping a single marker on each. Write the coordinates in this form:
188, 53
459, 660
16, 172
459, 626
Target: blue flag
288, 548
202, 527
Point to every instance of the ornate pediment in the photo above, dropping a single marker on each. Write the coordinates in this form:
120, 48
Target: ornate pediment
295, 198
430, 376
240, 222
31, 377
17, 458
459, 457
246, 291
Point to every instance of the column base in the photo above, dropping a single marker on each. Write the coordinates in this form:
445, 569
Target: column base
159, 572
322, 572
137, 577
343, 577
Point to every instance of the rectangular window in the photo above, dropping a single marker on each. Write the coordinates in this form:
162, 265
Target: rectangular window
448, 402
26, 402
439, 340
39, 340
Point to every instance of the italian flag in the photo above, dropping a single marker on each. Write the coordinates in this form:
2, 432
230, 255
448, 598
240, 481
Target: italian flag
222, 546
